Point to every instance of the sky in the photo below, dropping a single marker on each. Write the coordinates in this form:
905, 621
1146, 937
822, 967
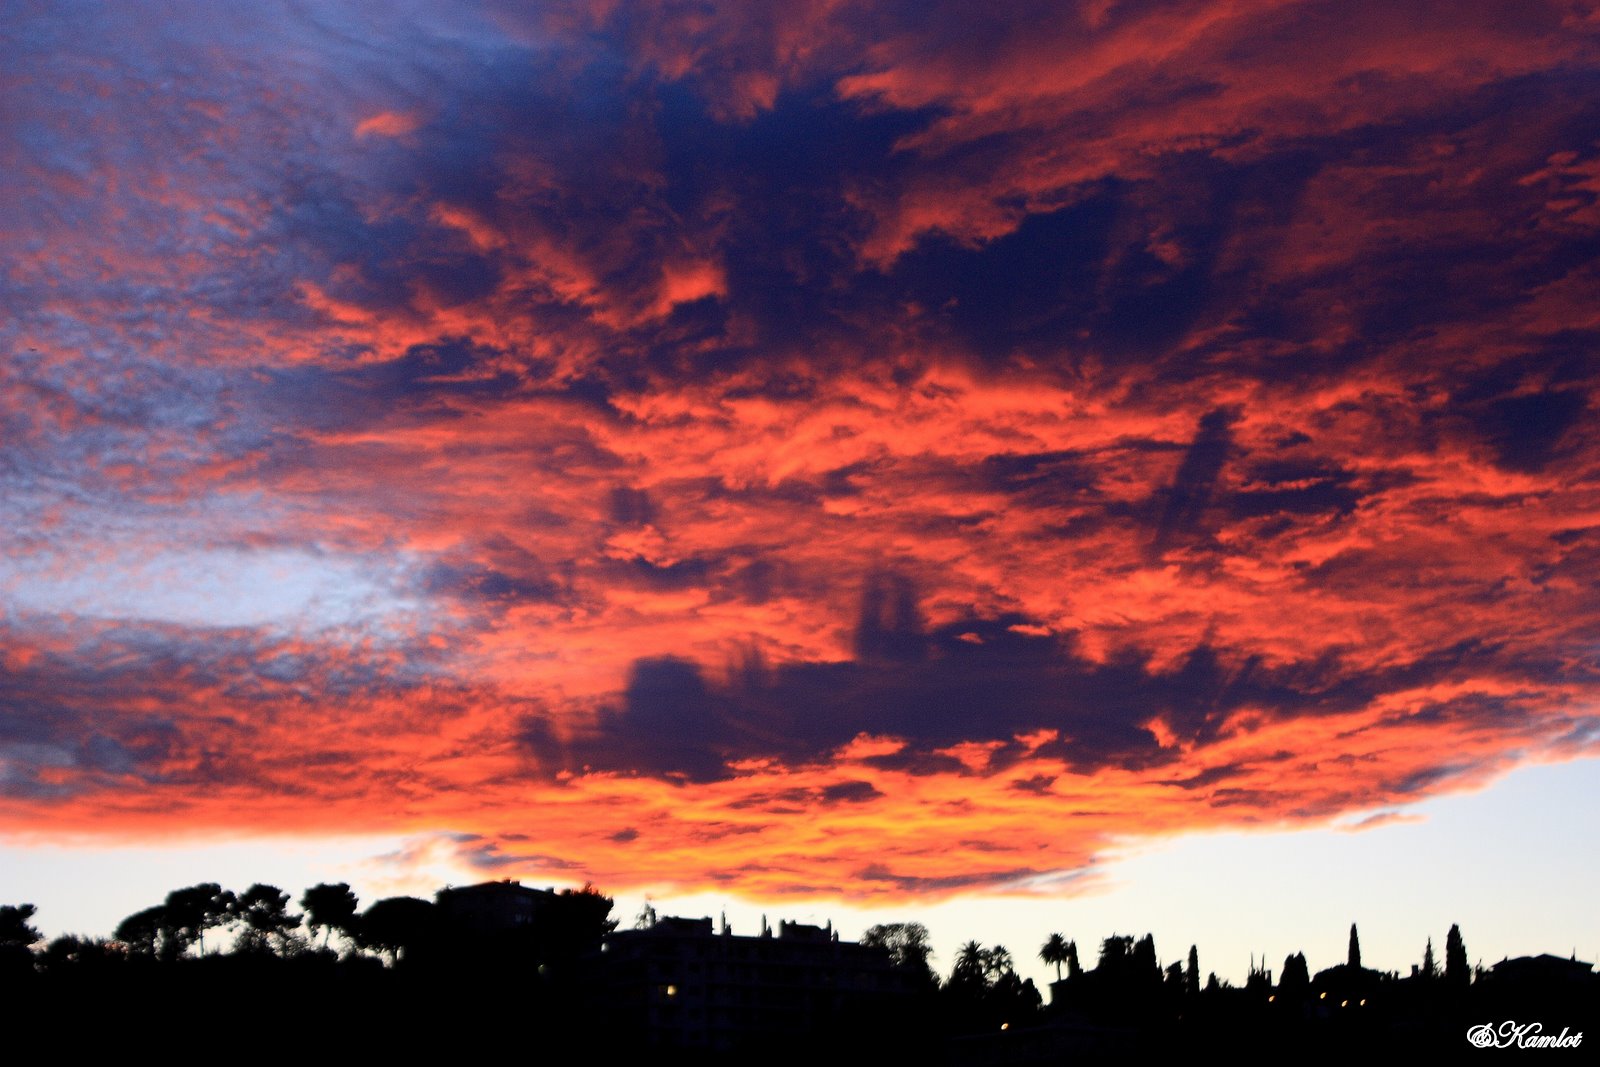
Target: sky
812, 457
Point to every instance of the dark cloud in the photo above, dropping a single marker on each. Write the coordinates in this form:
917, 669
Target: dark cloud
432, 381
678, 574
1038, 287
52, 748
671, 718
1210, 776
1291, 487
920, 884
939, 689
631, 507
1526, 430
890, 626
849, 793
474, 582
486, 855
1189, 495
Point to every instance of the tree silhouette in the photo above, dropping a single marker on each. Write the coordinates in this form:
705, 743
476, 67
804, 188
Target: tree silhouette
1455, 958
996, 963
1127, 969
1054, 951
569, 927
142, 931
548, 956
1114, 954
1259, 979
329, 907
585, 914
968, 972
398, 926
1145, 965
985, 991
1296, 977
908, 947
190, 912
264, 910
71, 951
17, 937
1013, 998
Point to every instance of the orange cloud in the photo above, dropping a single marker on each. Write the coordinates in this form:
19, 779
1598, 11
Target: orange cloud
388, 124
876, 450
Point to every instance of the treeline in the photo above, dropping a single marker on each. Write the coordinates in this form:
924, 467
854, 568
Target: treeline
401, 973
265, 925
391, 978
1129, 1001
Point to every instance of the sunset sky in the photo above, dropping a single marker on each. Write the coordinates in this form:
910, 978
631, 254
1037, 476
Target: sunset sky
1065, 463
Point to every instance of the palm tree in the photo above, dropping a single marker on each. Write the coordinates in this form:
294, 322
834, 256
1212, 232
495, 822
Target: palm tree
969, 966
1054, 951
996, 962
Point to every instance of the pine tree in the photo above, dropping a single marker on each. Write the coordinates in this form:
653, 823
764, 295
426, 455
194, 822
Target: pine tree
17, 938
330, 907
1429, 968
1355, 949
1192, 977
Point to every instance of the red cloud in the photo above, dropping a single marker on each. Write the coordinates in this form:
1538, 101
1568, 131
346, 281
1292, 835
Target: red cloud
1000, 434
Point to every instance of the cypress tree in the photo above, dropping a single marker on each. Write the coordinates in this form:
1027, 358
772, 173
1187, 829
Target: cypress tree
1455, 958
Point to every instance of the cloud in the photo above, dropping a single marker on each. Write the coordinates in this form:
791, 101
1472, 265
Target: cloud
387, 124
617, 423
1190, 493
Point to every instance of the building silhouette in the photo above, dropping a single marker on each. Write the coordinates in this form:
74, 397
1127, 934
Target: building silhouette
680, 984
490, 908
1542, 970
